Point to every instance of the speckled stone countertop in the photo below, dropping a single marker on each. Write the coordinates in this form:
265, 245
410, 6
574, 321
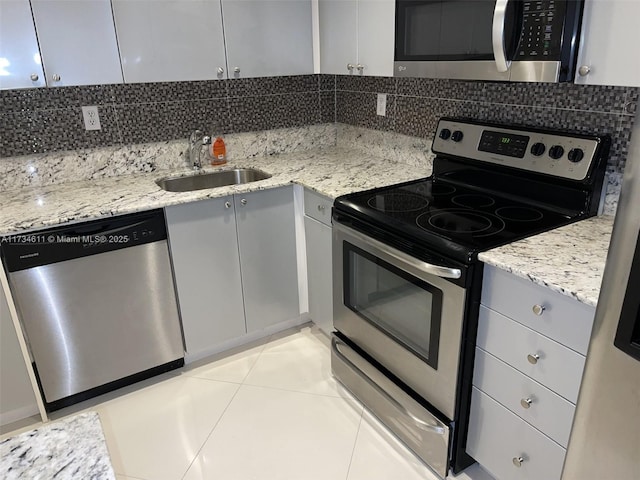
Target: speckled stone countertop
569, 260
71, 449
329, 171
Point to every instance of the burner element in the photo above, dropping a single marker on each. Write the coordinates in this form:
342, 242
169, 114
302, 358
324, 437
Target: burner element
398, 202
519, 214
477, 224
473, 200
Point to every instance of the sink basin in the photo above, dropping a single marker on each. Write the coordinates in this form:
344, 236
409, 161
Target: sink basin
224, 178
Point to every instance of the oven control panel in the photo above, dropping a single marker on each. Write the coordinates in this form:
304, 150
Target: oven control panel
541, 151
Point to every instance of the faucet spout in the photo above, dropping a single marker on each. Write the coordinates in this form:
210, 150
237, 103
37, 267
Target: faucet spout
196, 140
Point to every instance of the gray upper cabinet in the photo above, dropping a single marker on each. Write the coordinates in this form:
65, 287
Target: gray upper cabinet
20, 65
268, 37
357, 37
170, 40
77, 42
608, 48
267, 244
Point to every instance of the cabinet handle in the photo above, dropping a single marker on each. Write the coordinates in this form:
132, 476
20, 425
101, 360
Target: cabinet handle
350, 67
538, 309
34, 77
518, 461
526, 402
227, 204
243, 201
220, 70
55, 77
360, 67
533, 359
236, 69
321, 208
584, 70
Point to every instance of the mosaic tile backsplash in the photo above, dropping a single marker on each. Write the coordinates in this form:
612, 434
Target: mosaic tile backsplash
50, 119
414, 106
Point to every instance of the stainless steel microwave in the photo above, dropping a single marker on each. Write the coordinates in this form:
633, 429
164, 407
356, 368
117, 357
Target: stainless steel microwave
507, 40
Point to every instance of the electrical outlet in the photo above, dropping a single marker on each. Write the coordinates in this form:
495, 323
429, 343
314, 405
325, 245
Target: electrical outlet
91, 118
381, 108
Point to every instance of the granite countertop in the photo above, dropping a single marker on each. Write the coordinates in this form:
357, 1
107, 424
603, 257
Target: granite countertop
331, 172
569, 260
71, 449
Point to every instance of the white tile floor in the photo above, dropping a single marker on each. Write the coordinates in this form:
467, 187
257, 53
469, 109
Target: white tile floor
270, 411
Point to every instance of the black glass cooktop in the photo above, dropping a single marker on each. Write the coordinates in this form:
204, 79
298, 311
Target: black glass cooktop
455, 220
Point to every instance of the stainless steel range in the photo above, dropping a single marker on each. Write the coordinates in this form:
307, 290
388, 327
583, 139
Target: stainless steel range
406, 277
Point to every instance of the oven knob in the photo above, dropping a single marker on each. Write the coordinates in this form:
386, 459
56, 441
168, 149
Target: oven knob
556, 152
538, 149
457, 136
575, 155
445, 133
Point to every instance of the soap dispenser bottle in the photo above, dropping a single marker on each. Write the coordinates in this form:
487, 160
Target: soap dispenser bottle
218, 152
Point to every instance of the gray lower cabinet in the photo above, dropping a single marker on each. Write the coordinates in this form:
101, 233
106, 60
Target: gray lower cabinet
204, 252
530, 353
267, 245
317, 226
235, 266
17, 399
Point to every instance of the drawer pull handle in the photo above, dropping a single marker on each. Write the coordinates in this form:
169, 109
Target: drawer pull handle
526, 402
533, 359
538, 309
321, 208
227, 204
518, 461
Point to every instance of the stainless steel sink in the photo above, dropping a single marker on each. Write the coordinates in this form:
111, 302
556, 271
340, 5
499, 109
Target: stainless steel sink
224, 178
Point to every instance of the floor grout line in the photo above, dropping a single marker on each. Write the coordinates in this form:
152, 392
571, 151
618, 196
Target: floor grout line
355, 443
195, 457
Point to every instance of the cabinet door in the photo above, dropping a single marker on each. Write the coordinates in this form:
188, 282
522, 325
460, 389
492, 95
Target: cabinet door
204, 252
17, 399
376, 36
268, 37
338, 36
267, 244
318, 244
170, 40
77, 42
610, 35
20, 65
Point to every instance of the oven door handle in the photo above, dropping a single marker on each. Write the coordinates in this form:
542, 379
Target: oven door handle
419, 422
437, 270
498, 36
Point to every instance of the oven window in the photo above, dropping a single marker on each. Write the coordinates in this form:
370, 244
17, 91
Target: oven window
404, 307
446, 29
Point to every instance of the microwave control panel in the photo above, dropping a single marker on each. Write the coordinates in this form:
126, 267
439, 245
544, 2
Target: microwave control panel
542, 30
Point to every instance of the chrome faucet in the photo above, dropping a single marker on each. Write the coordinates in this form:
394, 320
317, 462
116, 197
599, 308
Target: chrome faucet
196, 140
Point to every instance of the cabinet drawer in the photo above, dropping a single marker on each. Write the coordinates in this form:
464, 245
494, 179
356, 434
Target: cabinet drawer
497, 437
547, 411
317, 206
558, 368
564, 319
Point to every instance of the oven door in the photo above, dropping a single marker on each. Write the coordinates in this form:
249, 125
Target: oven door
402, 312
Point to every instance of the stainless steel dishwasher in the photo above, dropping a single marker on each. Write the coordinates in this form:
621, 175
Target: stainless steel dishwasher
97, 304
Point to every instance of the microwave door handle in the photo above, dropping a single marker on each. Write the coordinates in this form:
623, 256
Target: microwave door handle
498, 35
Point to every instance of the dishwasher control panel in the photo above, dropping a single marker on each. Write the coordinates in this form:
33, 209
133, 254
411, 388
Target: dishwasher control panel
44, 247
